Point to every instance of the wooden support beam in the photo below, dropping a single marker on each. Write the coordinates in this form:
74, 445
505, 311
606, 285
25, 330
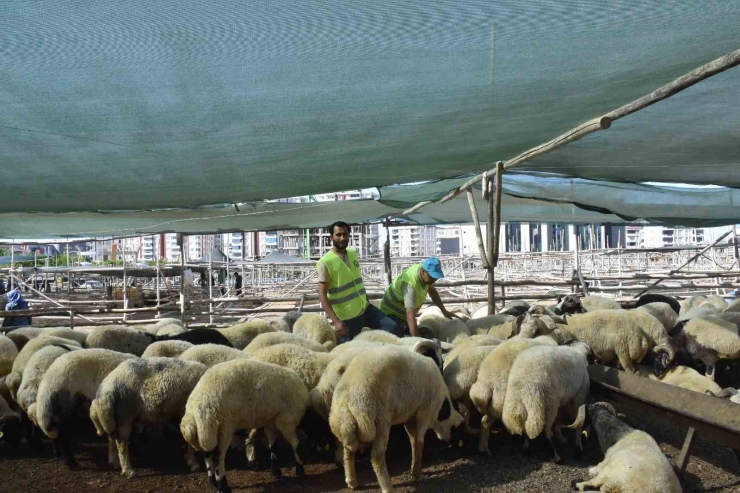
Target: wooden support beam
476, 225
491, 249
688, 444
497, 221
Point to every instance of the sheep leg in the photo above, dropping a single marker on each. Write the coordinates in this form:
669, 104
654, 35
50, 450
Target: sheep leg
593, 484
124, 458
411, 432
709, 370
289, 434
219, 458
208, 459
626, 362
112, 453
66, 447
271, 441
485, 433
380, 444
191, 458
251, 449
32, 433
350, 475
551, 446
558, 433
418, 451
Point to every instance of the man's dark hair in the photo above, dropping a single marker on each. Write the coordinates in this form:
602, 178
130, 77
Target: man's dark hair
341, 224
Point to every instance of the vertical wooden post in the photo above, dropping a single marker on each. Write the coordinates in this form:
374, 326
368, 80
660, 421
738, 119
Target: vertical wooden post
12, 266
387, 254
210, 287
683, 458
71, 319
125, 283
491, 227
181, 244
156, 262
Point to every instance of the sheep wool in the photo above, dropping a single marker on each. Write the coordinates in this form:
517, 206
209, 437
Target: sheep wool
120, 339
212, 354
34, 371
663, 312
273, 338
382, 387
309, 365
152, 390
240, 335
316, 328
453, 329
685, 378
67, 333
473, 341
462, 372
8, 353
243, 394
322, 395
13, 380
593, 303
166, 349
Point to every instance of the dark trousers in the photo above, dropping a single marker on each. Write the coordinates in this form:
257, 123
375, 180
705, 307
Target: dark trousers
373, 318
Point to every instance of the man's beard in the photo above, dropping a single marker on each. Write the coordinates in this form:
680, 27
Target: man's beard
340, 245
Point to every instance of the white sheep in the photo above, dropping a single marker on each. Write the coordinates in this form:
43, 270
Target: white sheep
309, 365
243, 394
163, 322
480, 312
730, 394
685, 378
152, 390
593, 303
703, 310
240, 335
543, 380
717, 301
383, 387
473, 341
515, 308
454, 330
273, 338
316, 328
166, 349
485, 323
612, 335
489, 390
734, 306
430, 321
691, 302
633, 462
211, 355
72, 378
34, 372
663, 312
120, 339
14, 378
377, 336
8, 353
322, 395
425, 347
67, 333
170, 330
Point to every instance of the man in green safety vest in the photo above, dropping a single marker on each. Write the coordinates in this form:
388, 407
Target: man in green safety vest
408, 291
342, 292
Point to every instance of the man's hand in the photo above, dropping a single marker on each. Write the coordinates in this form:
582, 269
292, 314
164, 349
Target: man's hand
340, 329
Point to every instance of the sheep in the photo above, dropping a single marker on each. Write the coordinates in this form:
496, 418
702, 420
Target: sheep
290, 318
481, 311
594, 303
462, 313
515, 308
691, 302
685, 378
163, 322
166, 349
66, 333
212, 354
542, 380
430, 321
240, 335
612, 334
170, 330
382, 387
425, 347
198, 336
473, 341
487, 322
70, 380
454, 329
377, 336
152, 390
569, 304
8, 353
316, 328
658, 298
542, 310
10, 424
273, 338
632, 460
732, 317
34, 371
662, 311
706, 339
322, 394
13, 380
309, 365
20, 337
120, 339
717, 301
734, 306
243, 394
703, 310
729, 393
4, 391
489, 390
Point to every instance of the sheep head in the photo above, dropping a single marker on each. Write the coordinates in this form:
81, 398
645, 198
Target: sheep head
663, 357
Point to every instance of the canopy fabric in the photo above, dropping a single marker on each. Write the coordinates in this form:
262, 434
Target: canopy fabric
528, 197
282, 258
109, 105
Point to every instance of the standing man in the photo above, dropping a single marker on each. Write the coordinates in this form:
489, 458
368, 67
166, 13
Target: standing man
407, 293
341, 291
238, 283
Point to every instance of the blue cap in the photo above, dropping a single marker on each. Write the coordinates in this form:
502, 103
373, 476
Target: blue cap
433, 267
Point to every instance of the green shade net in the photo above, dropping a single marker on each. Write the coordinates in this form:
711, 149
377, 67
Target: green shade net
132, 105
528, 197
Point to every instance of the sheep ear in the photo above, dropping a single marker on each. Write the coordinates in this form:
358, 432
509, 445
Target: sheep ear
518, 323
727, 393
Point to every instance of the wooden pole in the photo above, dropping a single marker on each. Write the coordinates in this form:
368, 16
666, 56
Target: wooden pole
12, 266
387, 254
491, 239
125, 281
181, 244
476, 225
210, 284
156, 261
497, 226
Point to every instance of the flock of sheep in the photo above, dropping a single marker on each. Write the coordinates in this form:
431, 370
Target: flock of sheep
525, 368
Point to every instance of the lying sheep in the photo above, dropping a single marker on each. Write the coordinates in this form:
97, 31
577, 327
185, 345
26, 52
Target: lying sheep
382, 387
72, 379
316, 328
166, 349
66, 333
543, 380
198, 336
309, 365
34, 372
707, 339
649, 298
212, 354
489, 390
152, 390
243, 394
8, 353
663, 312
13, 380
632, 460
273, 338
612, 334
120, 339
569, 304
685, 378
515, 308
240, 335
10, 424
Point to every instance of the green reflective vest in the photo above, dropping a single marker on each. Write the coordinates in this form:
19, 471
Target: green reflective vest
346, 290
392, 302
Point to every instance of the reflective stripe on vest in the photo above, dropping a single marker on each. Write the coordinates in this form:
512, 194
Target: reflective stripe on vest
393, 302
346, 290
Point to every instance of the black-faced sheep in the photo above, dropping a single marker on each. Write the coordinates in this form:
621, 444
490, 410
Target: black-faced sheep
199, 336
646, 299
240, 335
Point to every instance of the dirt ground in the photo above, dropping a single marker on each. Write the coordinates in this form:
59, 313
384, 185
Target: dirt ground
160, 467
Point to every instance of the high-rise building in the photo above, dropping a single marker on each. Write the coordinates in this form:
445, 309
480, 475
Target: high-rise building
413, 241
